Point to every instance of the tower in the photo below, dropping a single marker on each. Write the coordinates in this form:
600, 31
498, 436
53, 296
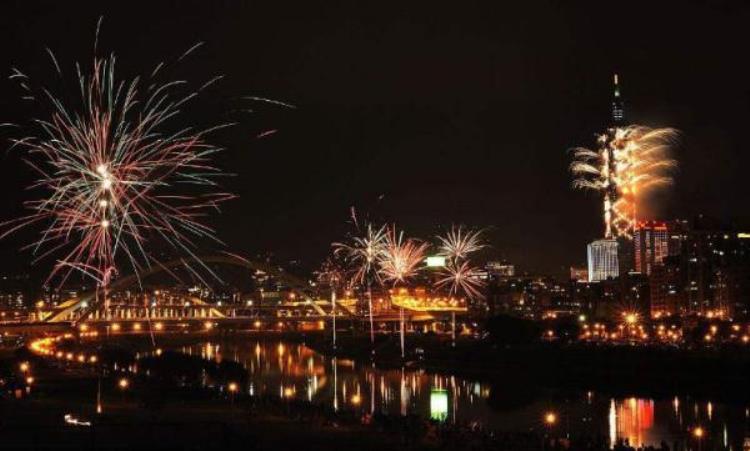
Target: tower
618, 110
610, 193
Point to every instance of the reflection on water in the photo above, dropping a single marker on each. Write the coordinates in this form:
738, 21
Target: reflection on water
294, 371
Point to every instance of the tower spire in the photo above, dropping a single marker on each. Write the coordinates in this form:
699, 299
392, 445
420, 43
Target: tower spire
618, 112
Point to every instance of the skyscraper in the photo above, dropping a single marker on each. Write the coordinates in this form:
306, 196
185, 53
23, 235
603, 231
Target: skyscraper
651, 242
603, 260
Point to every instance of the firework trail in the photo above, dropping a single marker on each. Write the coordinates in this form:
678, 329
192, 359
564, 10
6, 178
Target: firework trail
630, 162
116, 175
400, 261
363, 254
332, 274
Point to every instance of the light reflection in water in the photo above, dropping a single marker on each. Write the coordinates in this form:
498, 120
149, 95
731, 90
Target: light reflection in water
291, 370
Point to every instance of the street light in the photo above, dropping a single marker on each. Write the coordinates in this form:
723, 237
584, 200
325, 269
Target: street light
698, 433
24, 366
123, 383
550, 419
232, 388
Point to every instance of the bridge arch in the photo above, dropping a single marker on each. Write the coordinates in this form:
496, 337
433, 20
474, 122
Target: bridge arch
85, 301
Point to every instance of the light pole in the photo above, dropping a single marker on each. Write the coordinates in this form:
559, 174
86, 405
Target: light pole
232, 388
453, 329
333, 312
698, 433
550, 419
401, 317
369, 306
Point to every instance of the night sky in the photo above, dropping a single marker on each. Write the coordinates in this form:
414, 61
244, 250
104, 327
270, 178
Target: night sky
421, 114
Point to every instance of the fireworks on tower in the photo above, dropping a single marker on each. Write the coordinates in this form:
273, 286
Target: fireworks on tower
630, 162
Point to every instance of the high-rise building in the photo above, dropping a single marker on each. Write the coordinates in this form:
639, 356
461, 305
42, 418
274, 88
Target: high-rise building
603, 260
651, 245
618, 107
667, 284
679, 232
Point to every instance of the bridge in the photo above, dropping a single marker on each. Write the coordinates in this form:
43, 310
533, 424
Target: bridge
162, 308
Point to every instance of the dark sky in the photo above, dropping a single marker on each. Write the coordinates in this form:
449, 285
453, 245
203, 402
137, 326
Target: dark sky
420, 113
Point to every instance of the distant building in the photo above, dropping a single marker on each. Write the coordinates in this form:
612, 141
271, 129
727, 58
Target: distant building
500, 269
603, 260
666, 284
679, 232
578, 273
706, 271
651, 245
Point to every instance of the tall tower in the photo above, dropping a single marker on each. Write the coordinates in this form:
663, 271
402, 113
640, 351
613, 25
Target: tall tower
610, 194
618, 108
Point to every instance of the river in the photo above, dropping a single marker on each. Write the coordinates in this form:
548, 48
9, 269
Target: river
293, 370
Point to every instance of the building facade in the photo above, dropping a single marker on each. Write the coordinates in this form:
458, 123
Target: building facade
603, 261
651, 245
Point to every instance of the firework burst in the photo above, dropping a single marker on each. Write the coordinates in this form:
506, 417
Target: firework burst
116, 175
461, 278
630, 162
400, 258
364, 252
458, 275
458, 243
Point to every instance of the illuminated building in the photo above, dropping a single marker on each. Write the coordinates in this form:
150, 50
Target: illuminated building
679, 232
666, 288
500, 269
651, 245
603, 260
707, 270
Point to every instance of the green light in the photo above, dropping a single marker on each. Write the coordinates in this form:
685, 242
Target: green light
438, 404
